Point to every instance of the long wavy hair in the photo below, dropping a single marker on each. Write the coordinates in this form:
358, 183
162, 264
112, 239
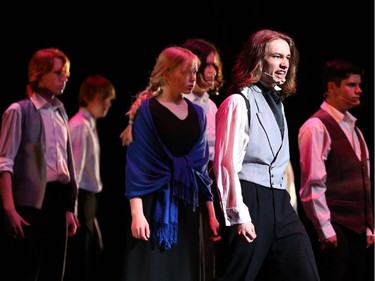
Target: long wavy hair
248, 66
202, 48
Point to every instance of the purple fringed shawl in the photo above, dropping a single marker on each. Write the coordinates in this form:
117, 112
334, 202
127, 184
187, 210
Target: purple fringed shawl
151, 167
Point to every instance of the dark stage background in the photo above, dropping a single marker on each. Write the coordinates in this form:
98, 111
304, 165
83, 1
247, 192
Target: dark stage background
121, 42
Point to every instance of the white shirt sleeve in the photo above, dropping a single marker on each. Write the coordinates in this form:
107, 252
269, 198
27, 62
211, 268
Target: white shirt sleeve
10, 136
231, 141
314, 146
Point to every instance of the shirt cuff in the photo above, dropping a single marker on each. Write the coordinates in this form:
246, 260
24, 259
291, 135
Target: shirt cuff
238, 215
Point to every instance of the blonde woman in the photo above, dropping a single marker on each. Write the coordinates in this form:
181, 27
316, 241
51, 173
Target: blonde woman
167, 182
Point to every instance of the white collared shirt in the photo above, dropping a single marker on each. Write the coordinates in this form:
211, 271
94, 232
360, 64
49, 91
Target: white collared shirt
56, 137
314, 146
210, 109
86, 150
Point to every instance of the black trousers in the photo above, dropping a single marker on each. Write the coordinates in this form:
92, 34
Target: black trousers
212, 252
347, 261
41, 256
85, 247
281, 250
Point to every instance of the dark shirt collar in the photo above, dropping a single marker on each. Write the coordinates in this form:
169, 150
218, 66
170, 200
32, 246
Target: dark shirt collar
273, 93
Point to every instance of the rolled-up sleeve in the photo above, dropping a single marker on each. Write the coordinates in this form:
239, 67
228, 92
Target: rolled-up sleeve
10, 137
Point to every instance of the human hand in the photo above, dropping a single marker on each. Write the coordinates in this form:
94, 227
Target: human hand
369, 241
14, 224
140, 227
72, 224
213, 223
330, 243
214, 227
246, 231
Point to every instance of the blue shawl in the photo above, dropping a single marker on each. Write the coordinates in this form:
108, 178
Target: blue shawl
151, 167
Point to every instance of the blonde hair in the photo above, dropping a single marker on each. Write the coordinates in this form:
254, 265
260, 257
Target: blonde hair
168, 60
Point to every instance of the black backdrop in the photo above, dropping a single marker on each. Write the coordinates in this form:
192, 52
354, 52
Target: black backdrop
122, 40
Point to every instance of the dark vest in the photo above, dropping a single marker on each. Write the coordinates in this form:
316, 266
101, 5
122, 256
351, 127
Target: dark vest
348, 184
29, 179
